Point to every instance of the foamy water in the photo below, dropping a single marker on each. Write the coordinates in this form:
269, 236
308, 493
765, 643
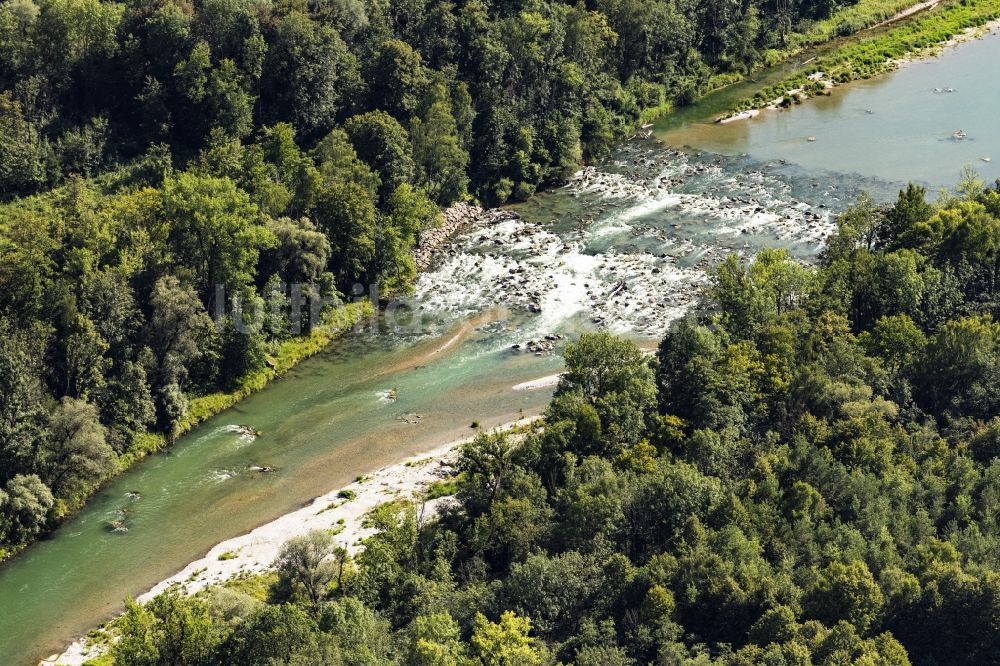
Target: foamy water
628, 248
625, 251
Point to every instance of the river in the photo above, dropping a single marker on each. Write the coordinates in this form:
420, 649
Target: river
623, 249
900, 127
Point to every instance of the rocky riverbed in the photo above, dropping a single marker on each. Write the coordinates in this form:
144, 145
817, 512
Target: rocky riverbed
453, 219
626, 247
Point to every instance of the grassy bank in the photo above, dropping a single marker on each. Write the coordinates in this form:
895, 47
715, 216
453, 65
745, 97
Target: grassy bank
288, 354
881, 51
845, 23
850, 20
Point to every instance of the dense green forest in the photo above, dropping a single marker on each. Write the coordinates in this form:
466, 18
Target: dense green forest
806, 473
151, 151
526, 88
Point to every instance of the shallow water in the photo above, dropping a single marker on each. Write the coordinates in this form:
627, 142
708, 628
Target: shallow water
623, 248
893, 127
322, 425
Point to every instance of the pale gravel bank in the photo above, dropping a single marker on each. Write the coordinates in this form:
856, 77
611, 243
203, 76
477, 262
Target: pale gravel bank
542, 382
256, 551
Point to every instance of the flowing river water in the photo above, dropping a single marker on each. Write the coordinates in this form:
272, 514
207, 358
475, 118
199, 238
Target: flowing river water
623, 248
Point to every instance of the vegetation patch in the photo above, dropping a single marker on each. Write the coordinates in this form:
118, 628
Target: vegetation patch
442, 488
871, 55
809, 468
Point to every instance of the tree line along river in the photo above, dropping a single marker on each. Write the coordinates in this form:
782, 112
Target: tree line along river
623, 249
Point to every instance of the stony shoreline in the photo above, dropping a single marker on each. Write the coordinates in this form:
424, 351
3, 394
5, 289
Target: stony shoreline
435, 242
342, 510
453, 219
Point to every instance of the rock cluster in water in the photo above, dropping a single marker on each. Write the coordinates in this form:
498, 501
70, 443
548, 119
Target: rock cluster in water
453, 220
524, 266
540, 347
623, 247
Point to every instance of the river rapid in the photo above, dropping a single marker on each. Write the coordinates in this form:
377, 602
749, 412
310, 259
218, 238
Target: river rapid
623, 247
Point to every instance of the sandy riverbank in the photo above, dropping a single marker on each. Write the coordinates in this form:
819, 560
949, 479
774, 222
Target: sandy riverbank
342, 510
542, 382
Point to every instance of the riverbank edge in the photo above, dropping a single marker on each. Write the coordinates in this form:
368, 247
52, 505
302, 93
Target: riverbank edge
342, 509
289, 354
294, 351
847, 63
872, 20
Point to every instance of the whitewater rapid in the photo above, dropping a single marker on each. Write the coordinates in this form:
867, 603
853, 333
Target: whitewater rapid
629, 247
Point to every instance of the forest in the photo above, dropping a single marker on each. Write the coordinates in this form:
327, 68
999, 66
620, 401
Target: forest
806, 472
169, 169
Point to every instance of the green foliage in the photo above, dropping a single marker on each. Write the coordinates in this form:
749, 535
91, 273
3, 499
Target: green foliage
348, 216
441, 488
26, 501
171, 629
384, 145
24, 153
845, 591
306, 563
805, 475
215, 231
877, 51
504, 643
615, 381
308, 71
436, 641
796, 478
441, 160
283, 634
75, 456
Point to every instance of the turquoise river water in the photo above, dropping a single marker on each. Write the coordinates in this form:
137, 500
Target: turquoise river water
623, 248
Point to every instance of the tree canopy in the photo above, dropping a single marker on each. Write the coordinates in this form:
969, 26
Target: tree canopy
801, 474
